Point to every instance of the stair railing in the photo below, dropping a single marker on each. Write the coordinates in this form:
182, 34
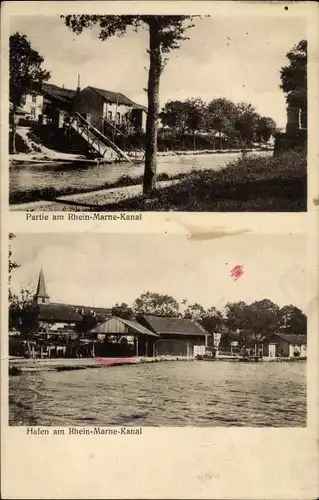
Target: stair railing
117, 131
98, 135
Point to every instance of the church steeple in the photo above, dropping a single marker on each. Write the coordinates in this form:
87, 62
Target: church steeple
41, 297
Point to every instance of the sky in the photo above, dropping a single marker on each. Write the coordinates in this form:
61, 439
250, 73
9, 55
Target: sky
224, 57
104, 269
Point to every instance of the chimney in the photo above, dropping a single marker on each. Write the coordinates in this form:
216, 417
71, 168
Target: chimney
78, 89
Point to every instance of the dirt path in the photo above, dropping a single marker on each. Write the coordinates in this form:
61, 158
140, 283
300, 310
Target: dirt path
87, 201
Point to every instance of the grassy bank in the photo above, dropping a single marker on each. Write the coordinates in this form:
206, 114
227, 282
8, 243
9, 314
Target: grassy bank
247, 184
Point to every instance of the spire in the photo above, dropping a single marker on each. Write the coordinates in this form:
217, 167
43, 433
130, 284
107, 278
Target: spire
41, 297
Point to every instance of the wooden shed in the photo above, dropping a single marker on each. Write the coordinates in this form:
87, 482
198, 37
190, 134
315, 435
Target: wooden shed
133, 338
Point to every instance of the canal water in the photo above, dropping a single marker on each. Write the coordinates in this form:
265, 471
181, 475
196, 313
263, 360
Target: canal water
63, 176
193, 393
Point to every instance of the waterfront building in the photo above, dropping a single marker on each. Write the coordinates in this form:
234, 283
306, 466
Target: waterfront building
123, 337
176, 336
285, 345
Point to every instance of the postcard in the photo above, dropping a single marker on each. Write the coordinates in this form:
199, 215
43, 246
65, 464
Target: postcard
159, 250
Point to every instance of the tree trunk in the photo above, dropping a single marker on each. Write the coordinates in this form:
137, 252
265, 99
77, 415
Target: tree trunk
14, 130
153, 105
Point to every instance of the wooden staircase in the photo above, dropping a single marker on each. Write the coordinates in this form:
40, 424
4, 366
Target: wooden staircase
111, 130
97, 141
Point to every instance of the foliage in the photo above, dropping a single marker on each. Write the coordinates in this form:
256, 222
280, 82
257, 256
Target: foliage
265, 127
195, 312
235, 313
246, 122
236, 121
262, 318
155, 304
12, 264
294, 76
23, 313
166, 33
26, 73
184, 115
209, 318
221, 115
292, 320
122, 311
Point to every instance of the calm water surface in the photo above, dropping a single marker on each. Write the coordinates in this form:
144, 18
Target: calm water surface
163, 394
36, 176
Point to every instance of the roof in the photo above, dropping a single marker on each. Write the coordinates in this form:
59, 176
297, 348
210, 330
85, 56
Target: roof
174, 326
137, 326
134, 325
139, 106
60, 93
98, 311
41, 289
292, 338
113, 96
58, 312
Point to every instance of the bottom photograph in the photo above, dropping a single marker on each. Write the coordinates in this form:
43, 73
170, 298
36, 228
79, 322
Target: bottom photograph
158, 329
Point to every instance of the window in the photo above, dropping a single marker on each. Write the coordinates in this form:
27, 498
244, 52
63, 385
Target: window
33, 112
109, 116
34, 98
118, 117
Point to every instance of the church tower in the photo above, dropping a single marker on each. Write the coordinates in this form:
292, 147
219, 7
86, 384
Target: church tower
41, 297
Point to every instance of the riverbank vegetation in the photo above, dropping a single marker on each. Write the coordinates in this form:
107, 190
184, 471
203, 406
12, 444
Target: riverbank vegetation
276, 183
49, 193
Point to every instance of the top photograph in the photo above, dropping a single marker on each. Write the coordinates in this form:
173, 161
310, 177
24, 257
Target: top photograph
158, 113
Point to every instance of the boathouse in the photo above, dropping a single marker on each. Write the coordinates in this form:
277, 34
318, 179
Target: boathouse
176, 336
285, 345
123, 337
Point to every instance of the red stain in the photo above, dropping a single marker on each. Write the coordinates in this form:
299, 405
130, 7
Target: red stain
237, 272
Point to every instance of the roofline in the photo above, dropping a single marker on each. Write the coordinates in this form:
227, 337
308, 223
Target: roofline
127, 323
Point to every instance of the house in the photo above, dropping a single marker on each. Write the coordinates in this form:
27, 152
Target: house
32, 104
57, 103
93, 103
123, 337
285, 345
177, 336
